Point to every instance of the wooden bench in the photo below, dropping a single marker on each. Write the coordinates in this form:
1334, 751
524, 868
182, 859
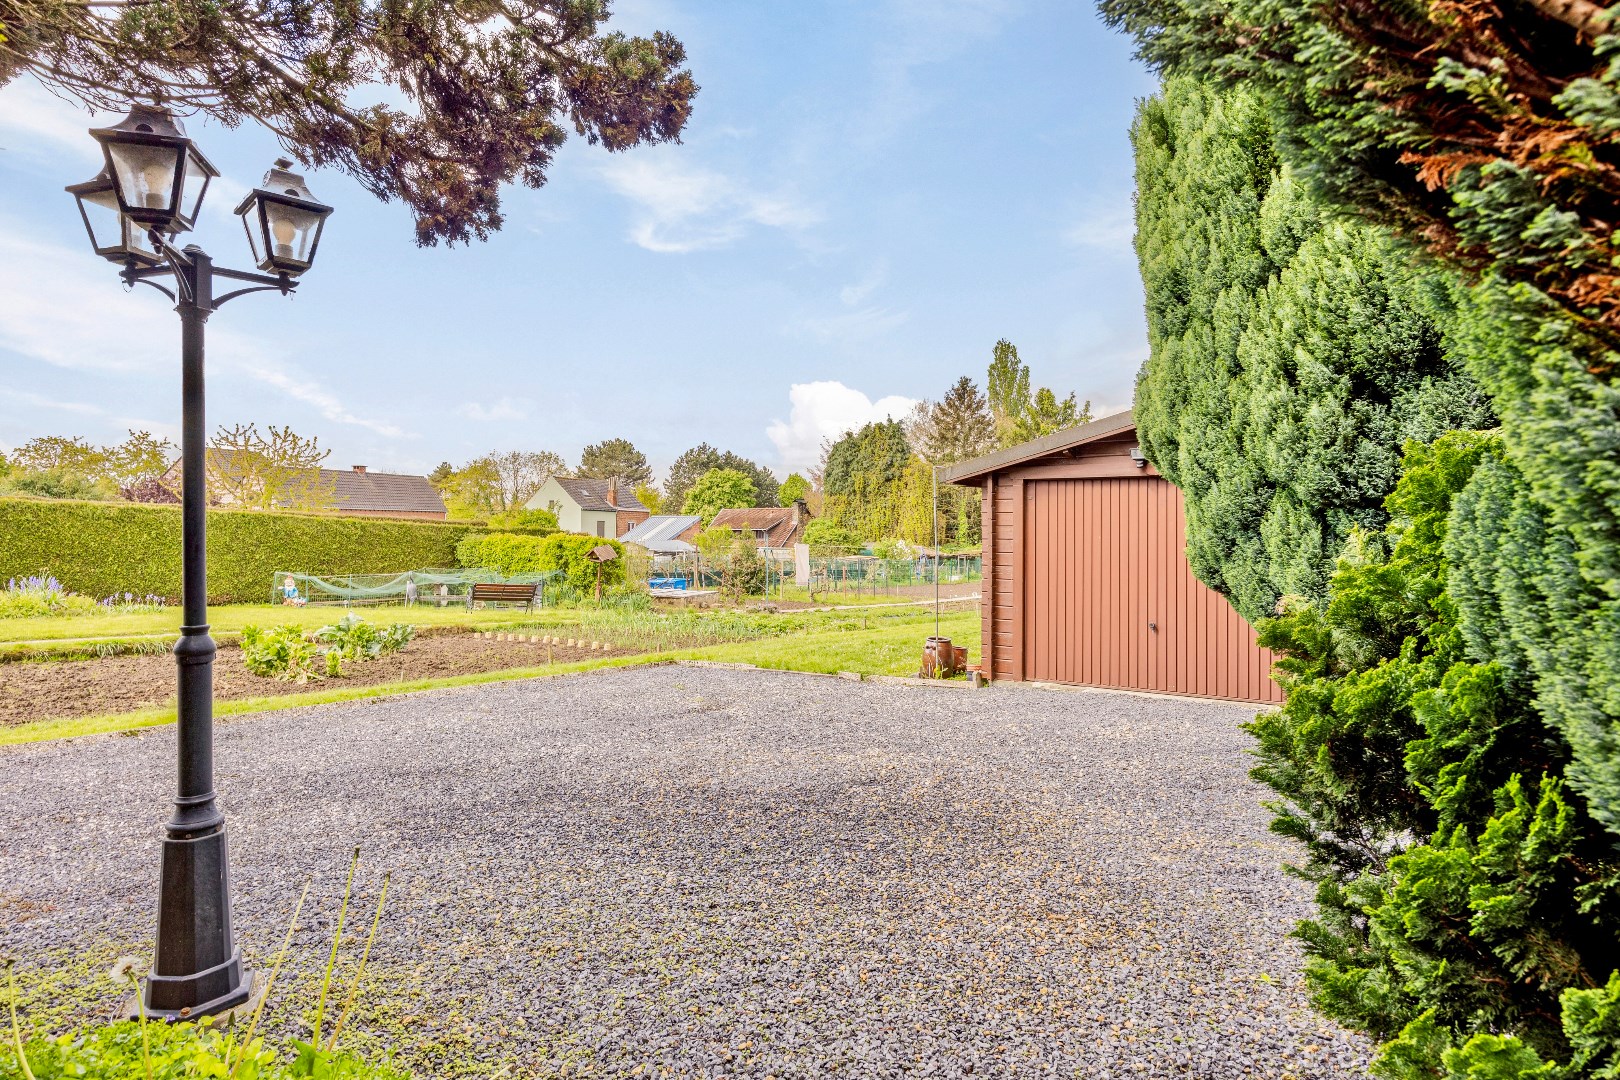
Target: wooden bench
492, 593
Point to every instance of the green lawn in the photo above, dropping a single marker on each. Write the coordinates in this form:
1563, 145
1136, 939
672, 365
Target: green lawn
231, 618
890, 644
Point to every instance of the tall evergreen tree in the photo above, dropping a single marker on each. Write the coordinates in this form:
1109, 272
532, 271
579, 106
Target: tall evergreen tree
1292, 354
1490, 134
614, 459
960, 426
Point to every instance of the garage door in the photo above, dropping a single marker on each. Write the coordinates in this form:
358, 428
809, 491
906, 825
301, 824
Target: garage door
1110, 601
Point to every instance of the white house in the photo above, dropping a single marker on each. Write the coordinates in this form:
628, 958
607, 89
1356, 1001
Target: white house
592, 507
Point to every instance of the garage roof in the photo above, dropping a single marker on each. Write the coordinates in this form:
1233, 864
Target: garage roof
1055, 443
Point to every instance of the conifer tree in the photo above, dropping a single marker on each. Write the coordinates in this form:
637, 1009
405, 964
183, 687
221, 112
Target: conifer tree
960, 426
614, 459
1292, 354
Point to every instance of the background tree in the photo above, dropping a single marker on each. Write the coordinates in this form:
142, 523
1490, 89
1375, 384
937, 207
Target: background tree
686, 469
488, 90
614, 459
475, 490
520, 474
60, 453
1046, 414
441, 474
1009, 394
274, 469
960, 426
650, 497
1018, 413
137, 460
793, 488
717, 490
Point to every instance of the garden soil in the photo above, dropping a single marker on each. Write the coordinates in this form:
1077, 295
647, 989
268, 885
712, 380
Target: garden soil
31, 691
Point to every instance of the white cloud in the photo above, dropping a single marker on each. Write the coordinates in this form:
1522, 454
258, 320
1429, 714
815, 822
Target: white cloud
920, 33
507, 408
64, 307
1109, 228
851, 327
682, 207
855, 292
825, 410
37, 124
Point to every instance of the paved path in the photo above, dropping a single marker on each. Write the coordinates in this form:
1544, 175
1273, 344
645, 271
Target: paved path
724, 872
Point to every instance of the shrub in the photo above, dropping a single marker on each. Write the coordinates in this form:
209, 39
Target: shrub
100, 549
510, 555
1467, 909
281, 652
827, 538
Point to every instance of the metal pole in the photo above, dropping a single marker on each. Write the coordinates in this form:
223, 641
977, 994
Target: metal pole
197, 970
936, 552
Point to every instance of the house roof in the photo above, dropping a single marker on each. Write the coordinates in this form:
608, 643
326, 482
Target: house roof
663, 547
660, 528
383, 491
1055, 443
593, 494
353, 489
777, 521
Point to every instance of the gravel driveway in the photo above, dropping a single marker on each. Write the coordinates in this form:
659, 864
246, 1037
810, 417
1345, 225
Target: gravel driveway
685, 871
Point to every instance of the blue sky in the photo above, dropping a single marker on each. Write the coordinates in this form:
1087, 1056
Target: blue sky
868, 195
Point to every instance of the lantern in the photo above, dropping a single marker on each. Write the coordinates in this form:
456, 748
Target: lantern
283, 221
112, 234
158, 176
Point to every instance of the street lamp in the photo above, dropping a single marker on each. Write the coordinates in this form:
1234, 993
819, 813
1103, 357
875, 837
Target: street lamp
151, 191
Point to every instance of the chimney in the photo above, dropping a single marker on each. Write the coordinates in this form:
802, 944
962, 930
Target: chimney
361, 469
801, 512
613, 492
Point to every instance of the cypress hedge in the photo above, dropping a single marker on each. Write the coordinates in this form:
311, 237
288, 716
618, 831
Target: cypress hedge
101, 549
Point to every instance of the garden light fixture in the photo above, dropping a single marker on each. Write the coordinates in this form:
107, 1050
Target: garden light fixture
151, 191
113, 235
283, 221
159, 177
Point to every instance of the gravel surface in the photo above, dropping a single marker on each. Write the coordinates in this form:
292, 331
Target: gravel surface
700, 871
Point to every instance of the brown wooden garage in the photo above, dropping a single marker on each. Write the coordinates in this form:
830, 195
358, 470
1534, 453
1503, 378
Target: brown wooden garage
1086, 578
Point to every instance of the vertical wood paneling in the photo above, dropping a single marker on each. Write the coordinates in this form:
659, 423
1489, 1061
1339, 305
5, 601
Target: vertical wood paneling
1092, 563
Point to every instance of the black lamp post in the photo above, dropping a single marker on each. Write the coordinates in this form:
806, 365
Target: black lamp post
149, 193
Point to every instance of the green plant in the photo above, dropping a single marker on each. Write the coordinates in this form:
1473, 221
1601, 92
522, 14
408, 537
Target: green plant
352, 638
1292, 353
717, 490
102, 549
829, 538
280, 652
292, 654
1468, 915
182, 1051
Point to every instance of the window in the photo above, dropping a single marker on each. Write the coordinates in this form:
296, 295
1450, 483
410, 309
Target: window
601, 526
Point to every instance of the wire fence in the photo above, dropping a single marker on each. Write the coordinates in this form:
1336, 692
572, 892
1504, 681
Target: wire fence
432, 587
845, 576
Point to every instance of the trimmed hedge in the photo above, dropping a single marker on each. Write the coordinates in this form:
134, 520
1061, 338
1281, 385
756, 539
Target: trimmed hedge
99, 549
508, 554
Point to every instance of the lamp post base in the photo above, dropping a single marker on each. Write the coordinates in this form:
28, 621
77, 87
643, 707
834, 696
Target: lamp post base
198, 968
252, 986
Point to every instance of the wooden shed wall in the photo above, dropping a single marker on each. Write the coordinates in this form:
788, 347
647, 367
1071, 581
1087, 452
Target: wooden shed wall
1087, 582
